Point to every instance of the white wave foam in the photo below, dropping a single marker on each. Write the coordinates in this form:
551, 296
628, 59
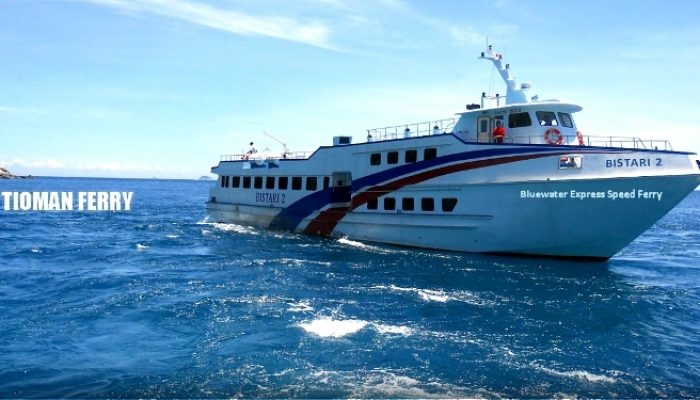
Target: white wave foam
353, 243
363, 246
141, 247
393, 329
580, 375
36, 250
333, 328
249, 230
172, 236
437, 295
301, 306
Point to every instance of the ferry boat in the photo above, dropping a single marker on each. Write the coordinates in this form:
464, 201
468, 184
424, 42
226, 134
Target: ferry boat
543, 189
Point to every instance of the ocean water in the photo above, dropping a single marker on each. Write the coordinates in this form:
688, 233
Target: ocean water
161, 302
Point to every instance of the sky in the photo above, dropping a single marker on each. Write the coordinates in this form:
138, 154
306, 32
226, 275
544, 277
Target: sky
163, 88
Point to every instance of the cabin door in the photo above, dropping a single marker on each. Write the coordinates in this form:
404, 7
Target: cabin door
342, 187
483, 130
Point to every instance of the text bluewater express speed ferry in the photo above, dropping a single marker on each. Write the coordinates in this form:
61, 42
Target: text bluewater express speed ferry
546, 190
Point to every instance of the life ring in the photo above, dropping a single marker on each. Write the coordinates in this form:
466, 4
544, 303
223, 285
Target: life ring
579, 136
553, 136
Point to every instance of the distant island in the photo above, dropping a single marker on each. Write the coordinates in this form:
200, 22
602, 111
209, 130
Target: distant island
205, 178
6, 174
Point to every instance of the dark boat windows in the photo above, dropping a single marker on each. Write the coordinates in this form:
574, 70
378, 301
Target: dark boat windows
246, 182
311, 183
375, 158
372, 204
449, 204
392, 157
224, 181
407, 204
566, 120
411, 156
326, 182
270, 182
236, 182
389, 203
429, 153
519, 120
427, 204
547, 118
258, 182
282, 183
296, 183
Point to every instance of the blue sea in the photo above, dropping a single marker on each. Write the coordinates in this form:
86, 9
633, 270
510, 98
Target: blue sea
162, 302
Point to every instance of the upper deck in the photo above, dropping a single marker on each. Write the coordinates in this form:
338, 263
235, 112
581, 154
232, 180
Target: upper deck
526, 121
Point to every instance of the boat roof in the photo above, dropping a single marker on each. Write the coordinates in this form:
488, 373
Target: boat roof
544, 105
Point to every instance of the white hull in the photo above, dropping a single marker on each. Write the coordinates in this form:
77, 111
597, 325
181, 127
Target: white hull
502, 207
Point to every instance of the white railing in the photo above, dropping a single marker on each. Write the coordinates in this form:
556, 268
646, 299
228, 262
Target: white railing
572, 140
411, 130
290, 155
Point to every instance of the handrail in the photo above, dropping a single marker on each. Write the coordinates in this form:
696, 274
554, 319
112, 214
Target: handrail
445, 126
289, 155
588, 140
415, 129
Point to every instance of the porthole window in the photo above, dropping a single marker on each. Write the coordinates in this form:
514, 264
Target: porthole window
546, 118
566, 120
296, 183
411, 156
311, 183
429, 153
519, 120
449, 204
372, 204
407, 204
375, 159
427, 204
389, 203
392, 157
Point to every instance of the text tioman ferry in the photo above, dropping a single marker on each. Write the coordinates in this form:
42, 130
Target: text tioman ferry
451, 184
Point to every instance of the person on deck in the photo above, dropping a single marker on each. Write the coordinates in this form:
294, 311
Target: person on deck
251, 151
499, 132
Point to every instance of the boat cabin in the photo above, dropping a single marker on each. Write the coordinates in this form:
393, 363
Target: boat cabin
545, 122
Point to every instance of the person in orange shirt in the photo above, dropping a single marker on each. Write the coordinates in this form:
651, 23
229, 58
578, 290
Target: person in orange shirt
499, 132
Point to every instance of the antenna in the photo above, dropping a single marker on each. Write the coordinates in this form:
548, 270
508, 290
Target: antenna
276, 139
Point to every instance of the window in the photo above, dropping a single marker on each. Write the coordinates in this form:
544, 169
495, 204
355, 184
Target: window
519, 120
411, 156
223, 181
372, 204
246, 182
236, 182
429, 153
311, 183
449, 204
270, 182
546, 118
389, 203
407, 204
392, 157
258, 182
326, 182
566, 120
375, 159
484, 125
296, 183
427, 204
282, 183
